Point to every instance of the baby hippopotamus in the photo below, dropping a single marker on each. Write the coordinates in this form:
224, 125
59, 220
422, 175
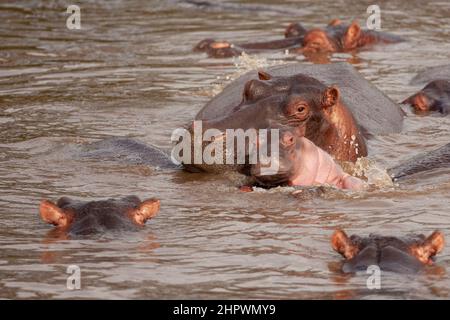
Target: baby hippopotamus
435, 96
82, 218
406, 254
302, 163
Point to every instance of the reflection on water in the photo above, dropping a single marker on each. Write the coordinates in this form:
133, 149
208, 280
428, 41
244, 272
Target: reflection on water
130, 71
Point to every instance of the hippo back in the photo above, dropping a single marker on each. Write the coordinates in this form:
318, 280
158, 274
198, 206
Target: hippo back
372, 109
430, 74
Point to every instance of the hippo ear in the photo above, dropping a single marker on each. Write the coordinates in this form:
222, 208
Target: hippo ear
254, 89
334, 22
262, 75
53, 214
147, 209
429, 247
352, 35
341, 243
330, 97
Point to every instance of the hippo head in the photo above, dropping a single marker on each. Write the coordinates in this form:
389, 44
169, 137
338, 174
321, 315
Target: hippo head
78, 217
298, 101
435, 96
336, 37
217, 49
299, 162
286, 161
407, 254
294, 30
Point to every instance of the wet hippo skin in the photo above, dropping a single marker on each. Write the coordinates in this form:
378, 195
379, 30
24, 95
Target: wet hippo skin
439, 158
339, 37
84, 218
397, 254
435, 96
301, 103
302, 163
430, 74
373, 111
127, 150
336, 37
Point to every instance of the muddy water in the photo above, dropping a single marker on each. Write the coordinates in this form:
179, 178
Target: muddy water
130, 72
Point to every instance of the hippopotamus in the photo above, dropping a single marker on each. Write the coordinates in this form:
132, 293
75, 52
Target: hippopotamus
84, 218
336, 37
436, 159
373, 111
300, 102
435, 96
339, 37
396, 254
338, 107
225, 49
302, 163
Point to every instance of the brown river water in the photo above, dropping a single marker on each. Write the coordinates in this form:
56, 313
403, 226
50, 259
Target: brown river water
130, 71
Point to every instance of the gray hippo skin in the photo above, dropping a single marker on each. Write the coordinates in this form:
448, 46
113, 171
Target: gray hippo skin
129, 151
439, 158
396, 254
78, 218
435, 96
375, 113
430, 74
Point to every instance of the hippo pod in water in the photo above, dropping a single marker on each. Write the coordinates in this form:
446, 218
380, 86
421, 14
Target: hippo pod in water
82, 218
336, 37
407, 254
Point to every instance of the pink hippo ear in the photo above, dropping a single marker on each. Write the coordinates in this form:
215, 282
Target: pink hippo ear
147, 209
341, 243
330, 97
53, 214
352, 35
429, 247
262, 75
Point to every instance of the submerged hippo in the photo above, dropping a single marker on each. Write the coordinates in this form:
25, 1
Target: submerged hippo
82, 218
435, 96
336, 37
436, 159
406, 254
339, 37
373, 111
225, 49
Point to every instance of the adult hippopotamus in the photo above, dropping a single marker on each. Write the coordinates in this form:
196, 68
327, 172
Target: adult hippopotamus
331, 105
336, 37
299, 102
373, 111
405, 254
83, 218
226, 49
339, 37
436, 159
435, 96
430, 74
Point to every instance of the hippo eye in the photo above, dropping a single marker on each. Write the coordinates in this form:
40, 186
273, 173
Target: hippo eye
298, 111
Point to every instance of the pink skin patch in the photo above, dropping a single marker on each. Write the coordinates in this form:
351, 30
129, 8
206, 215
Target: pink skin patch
316, 167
